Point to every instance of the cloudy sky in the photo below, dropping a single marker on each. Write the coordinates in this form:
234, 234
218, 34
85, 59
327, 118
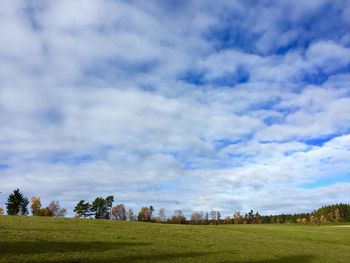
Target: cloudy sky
193, 105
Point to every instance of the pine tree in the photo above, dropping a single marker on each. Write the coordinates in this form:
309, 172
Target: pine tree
17, 204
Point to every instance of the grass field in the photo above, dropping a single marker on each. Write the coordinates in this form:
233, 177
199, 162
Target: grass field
37, 239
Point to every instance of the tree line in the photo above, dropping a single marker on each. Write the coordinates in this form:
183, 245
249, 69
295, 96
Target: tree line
102, 208
17, 204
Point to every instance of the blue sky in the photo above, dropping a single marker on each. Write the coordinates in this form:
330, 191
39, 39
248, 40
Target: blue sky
193, 105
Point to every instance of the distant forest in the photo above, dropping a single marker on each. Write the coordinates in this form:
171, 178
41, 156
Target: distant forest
102, 208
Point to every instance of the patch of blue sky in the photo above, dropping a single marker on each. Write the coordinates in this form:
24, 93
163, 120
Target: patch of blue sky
4, 166
319, 76
236, 37
327, 181
284, 110
222, 143
320, 141
269, 104
231, 33
239, 76
272, 120
193, 77
330, 26
293, 45
233, 78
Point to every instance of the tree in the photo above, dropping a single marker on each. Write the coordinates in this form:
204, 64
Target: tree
144, 214
131, 215
151, 210
237, 218
56, 210
17, 204
178, 218
83, 209
215, 216
257, 219
313, 220
109, 204
206, 218
101, 207
119, 212
35, 206
1, 211
250, 217
304, 221
197, 217
161, 215
337, 215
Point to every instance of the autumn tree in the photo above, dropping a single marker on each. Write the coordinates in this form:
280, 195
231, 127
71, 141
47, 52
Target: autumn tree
304, 221
257, 218
337, 215
17, 204
237, 218
144, 214
178, 218
35, 206
313, 220
323, 219
1, 211
119, 212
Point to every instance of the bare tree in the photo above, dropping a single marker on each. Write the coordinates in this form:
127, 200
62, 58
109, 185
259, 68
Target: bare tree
197, 217
56, 210
161, 214
215, 216
131, 216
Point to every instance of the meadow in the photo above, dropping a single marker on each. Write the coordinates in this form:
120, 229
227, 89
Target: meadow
42, 239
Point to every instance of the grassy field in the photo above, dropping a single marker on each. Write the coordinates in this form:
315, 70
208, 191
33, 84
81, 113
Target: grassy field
36, 239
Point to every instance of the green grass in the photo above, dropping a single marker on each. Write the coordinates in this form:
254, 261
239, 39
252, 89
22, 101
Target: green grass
36, 239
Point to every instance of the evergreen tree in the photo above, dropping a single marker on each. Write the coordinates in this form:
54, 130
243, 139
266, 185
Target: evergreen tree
151, 210
99, 208
17, 204
109, 203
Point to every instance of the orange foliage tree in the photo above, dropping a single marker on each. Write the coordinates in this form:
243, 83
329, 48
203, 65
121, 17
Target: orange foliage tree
36, 206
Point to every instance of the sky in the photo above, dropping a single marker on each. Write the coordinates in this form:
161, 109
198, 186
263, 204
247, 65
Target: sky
193, 105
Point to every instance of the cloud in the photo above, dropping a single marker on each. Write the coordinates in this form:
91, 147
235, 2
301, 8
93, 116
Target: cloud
192, 105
